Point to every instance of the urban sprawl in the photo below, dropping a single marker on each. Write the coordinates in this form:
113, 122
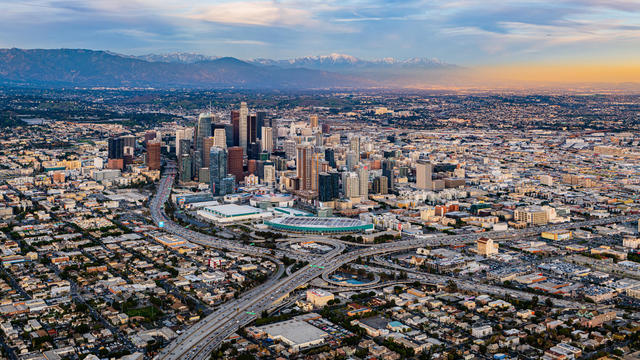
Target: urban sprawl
327, 226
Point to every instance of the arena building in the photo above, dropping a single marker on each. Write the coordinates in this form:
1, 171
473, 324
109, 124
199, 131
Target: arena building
317, 225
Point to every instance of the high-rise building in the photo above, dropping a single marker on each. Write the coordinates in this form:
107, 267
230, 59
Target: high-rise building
363, 176
185, 147
179, 136
403, 171
207, 142
229, 184
261, 116
184, 160
335, 183
273, 124
183, 134
330, 157
328, 186
228, 133
424, 171
227, 130
303, 166
253, 152
351, 184
252, 128
153, 154
203, 130
317, 159
324, 187
381, 185
290, 149
243, 128
388, 172
235, 125
128, 148
326, 128
269, 174
267, 139
184, 168
352, 160
203, 174
117, 159
115, 150
354, 145
235, 165
217, 170
260, 168
220, 138
313, 121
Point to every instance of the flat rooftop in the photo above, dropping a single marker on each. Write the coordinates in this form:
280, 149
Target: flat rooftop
294, 332
230, 210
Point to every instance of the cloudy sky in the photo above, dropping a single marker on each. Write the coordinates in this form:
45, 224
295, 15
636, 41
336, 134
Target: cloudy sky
465, 32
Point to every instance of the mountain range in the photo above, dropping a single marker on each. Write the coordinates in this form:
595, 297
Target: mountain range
331, 62
342, 63
91, 68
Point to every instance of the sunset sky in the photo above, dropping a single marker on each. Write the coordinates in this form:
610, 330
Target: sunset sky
599, 39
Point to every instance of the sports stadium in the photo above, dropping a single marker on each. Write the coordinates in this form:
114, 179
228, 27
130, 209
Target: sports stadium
318, 225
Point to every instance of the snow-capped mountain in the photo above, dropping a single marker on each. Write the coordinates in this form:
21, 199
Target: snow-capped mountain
342, 62
181, 68
331, 62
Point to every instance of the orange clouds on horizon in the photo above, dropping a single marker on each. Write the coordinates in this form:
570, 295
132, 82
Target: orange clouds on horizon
561, 76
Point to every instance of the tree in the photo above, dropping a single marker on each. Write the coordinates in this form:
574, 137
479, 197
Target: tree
452, 286
246, 356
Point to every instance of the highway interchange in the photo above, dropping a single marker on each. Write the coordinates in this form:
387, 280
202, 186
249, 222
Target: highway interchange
201, 339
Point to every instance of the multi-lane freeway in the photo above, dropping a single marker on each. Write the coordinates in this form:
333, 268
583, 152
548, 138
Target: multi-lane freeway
199, 340
202, 338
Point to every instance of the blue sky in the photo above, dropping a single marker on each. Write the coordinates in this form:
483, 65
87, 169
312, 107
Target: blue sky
465, 32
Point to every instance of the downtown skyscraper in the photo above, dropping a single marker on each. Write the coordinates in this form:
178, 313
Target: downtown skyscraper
203, 130
221, 183
243, 133
303, 166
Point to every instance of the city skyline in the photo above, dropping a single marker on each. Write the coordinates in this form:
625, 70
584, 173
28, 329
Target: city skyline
380, 224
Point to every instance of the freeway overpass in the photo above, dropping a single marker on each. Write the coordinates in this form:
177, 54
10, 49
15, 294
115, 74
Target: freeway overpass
199, 340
